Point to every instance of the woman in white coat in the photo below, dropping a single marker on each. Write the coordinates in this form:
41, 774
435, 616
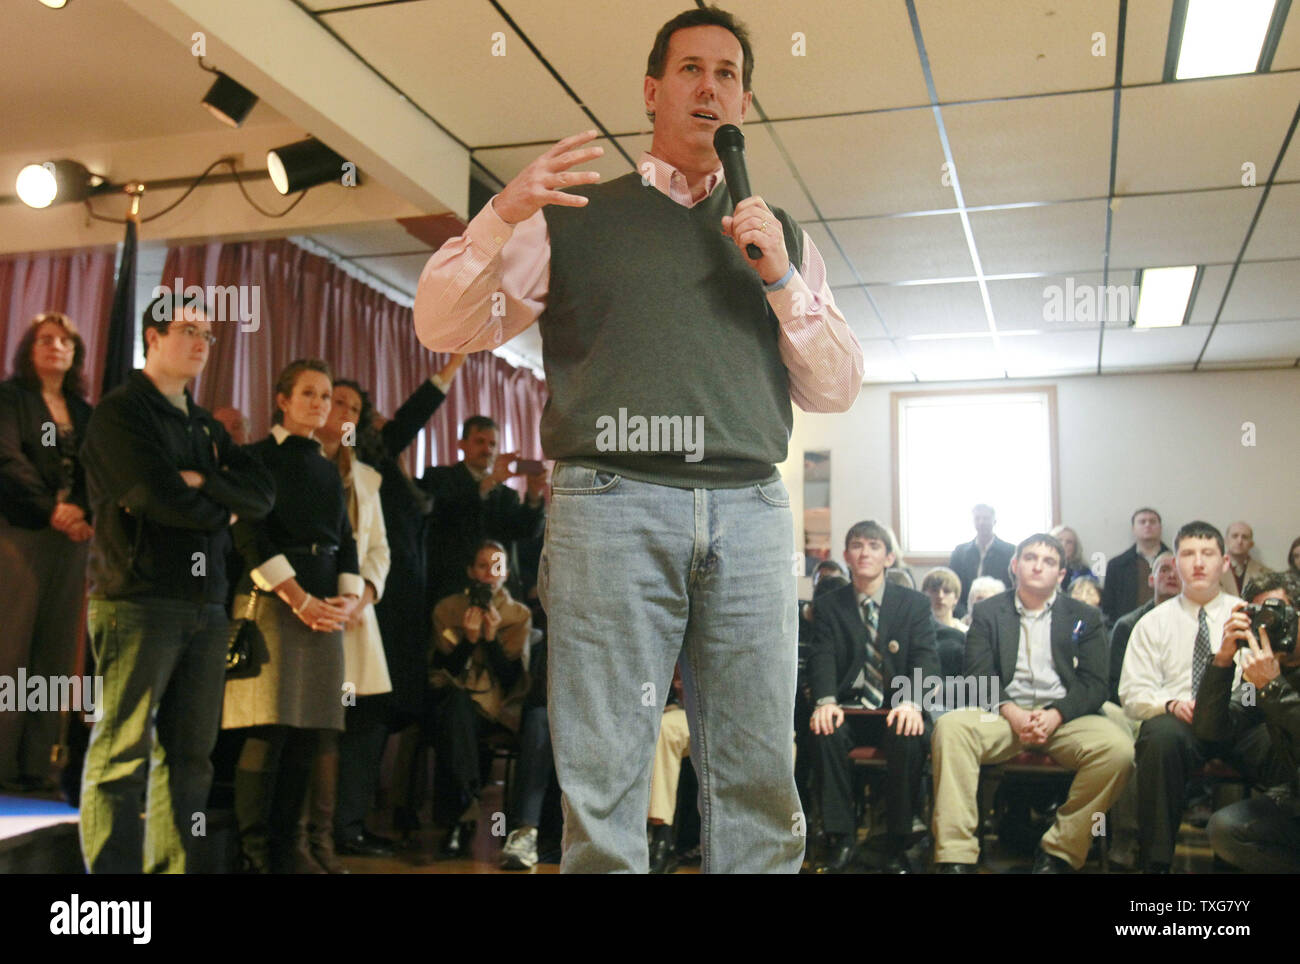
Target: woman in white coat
365, 668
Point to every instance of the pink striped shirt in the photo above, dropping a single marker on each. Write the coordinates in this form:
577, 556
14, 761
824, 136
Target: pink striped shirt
481, 289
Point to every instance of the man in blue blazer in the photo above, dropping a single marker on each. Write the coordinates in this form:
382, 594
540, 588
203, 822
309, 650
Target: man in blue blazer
873, 643
1040, 661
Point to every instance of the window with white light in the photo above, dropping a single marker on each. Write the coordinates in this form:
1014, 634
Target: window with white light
954, 450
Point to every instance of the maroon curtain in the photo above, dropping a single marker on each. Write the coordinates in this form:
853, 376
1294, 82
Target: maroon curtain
77, 283
311, 308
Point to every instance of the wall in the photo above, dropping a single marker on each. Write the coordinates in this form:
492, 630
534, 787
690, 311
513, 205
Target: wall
1173, 441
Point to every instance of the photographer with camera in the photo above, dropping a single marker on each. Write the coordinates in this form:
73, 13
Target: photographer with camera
1262, 834
477, 671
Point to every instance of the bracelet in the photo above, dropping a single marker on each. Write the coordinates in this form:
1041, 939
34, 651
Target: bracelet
1168, 704
305, 603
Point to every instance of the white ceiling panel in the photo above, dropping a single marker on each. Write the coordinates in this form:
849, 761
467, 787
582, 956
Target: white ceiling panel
837, 269
1198, 134
871, 163
856, 308
1264, 292
909, 310
441, 56
1145, 36
951, 359
1210, 292
1027, 303
991, 48
906, 249
1040, 149
1172, 229
1151, 347
1255, 341
1051, 238
1288, 47
883, 362
1055, 353
1277, 234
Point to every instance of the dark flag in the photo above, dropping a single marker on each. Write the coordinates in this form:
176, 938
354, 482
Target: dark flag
118, 362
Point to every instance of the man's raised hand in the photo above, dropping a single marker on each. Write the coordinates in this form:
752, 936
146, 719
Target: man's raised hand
542, 181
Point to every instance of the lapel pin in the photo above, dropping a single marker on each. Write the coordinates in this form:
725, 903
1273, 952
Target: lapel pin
893, 646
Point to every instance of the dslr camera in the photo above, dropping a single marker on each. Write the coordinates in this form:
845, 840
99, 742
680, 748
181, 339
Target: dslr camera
480, 595
1278, 618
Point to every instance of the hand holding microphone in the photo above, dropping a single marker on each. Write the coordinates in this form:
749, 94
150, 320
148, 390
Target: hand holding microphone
753, 226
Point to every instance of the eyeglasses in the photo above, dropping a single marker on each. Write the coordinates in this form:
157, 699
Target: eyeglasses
194, 331
50, 341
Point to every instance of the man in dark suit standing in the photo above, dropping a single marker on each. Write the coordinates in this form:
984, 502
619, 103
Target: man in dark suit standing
471, 503
1127, 582
1040, 661
871, 639
985, 555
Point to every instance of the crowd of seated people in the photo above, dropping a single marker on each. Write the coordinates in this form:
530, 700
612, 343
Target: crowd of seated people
369, 604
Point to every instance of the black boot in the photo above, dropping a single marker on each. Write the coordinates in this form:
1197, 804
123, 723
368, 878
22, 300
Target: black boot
663, 855
252, 814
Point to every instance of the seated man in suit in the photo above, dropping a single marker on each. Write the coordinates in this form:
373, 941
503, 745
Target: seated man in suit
985, 555
867, 637
1168, 654
1045, 654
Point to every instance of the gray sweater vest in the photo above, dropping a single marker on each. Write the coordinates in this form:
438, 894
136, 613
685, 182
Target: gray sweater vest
660, 349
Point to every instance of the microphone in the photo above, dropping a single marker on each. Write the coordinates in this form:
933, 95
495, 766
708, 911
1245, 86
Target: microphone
729, 142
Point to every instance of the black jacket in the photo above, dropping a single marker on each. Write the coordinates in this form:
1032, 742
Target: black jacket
1218, 719
30, 470
965, 561
904, 639
1119, 593
462, 519
1078, 652
154, 535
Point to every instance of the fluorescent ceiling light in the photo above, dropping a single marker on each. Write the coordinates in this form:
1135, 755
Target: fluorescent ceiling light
1163, 294
55, 4
1223, 37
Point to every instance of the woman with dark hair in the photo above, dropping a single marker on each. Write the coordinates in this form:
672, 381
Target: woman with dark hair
44, 532
302, 586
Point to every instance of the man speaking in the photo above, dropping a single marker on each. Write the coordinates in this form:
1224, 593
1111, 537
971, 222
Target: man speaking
654, 317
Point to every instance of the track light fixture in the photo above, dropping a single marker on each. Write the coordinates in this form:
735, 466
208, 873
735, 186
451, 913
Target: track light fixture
55, 182
296, 167
227, 100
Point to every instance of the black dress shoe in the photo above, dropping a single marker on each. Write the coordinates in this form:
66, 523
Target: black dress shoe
364, 844
947, 868
839, 854
1045, 863
458, 839
663, 856
896, 864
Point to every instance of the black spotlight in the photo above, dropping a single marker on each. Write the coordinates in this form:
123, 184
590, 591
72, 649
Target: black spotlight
229, 101
296, 167
55, 182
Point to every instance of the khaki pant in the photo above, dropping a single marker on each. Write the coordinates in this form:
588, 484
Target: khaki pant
673, 745
1093, 745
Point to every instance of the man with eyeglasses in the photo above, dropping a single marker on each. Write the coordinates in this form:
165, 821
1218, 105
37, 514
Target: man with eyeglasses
165, 483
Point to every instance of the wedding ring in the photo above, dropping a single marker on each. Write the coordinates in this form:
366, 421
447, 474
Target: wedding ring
763, 227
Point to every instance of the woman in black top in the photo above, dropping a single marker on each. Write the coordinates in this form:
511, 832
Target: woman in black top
44, 532
302, 575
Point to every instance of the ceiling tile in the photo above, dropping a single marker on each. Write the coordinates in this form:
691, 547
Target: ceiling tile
440, 56
1264, 291
1277, 233
991, 48
856, 308
910, 310
1057, 353
1150, 347
953, 359
1145, 35
1050, 238
1210, 292
837, 269
1287, 56
1028, 303
1173, 229
1199, 133
1039, 149
1255, 341
870, 163
906, 249
883, 362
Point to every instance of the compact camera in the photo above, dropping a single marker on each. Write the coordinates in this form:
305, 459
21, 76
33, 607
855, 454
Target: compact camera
480, 595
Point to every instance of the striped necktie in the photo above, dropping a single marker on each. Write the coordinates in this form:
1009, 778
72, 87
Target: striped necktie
873, 680
1200, 652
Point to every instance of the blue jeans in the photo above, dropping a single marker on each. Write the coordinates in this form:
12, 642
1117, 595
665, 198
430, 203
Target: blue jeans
164, 668
1257, 836
633, 576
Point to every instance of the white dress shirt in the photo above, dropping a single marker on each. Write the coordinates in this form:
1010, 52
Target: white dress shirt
1158, 662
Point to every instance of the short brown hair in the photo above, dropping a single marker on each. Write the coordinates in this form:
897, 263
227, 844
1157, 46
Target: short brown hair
289, 377
74, 380
657, 62
941, 577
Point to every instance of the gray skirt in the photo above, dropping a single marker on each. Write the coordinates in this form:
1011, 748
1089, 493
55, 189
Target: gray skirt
300, 676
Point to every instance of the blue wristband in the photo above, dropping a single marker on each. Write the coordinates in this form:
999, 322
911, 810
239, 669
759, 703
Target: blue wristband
782, 281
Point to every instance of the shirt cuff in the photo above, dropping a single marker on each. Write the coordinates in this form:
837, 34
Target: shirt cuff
487, 231
272, 572
827, 701
351, 584
440, 383
782, 281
